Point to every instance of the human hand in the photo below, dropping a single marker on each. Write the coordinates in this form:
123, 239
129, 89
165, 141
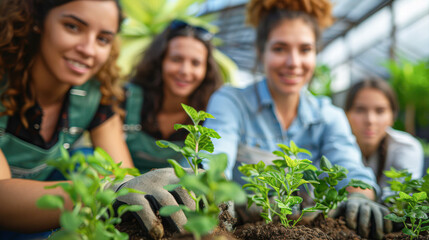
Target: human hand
364, 215
155, 197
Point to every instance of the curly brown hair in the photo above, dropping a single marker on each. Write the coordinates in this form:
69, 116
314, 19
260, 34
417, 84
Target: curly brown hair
265, 15
320, 9
149, 76
19, 43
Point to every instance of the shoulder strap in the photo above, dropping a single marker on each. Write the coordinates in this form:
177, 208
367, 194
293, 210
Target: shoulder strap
3, 123
133, 106
83, 104
3, 120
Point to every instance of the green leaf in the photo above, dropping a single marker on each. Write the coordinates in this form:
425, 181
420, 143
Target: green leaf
229, 191
421, 215
418, 197
217, 164
166, 211
64, 235
393, 217
166, 144
290, 162
103, 156
178, 169
128, 208
105, 197
203, 115
404, 196
192, 113
332, 195
70, 221
50, 202
194, 184
201, 224
359, 184
280, 163
171, 187
101, 233
325, 164
409, 232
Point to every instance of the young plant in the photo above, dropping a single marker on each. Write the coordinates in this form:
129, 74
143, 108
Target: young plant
207, 187
401, 181
282, 179
415, 211
409, 205
88, 175
326, 196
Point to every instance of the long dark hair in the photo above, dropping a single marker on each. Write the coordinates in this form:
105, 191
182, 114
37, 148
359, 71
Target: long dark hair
374, 83
149, 75
384, 87
19, 43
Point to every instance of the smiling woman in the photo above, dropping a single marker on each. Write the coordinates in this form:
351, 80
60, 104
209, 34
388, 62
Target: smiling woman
178, 67
278, 109
371, 107
58, 78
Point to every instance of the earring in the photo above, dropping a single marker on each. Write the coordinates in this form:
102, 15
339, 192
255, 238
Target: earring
36, 29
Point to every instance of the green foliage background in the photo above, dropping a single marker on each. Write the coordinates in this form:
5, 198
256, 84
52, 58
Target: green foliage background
147, 18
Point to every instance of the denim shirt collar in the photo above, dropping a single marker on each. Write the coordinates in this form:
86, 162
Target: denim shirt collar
308, 109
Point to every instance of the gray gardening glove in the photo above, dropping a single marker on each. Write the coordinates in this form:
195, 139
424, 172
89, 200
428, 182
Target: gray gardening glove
156, 196
364, 215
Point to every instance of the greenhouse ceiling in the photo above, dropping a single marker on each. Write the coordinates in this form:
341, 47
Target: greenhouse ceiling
366, 33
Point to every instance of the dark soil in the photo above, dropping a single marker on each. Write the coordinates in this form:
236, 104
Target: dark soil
320, 228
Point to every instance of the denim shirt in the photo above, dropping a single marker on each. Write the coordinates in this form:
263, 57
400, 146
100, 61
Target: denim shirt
244, 119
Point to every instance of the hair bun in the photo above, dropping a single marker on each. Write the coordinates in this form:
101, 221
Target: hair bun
320, 9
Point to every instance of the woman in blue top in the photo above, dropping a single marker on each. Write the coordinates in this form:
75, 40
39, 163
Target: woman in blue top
278, 109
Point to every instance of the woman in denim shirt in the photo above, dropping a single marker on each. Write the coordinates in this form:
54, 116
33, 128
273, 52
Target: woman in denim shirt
278, 109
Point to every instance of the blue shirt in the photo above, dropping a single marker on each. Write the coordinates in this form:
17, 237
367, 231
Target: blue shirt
248, 122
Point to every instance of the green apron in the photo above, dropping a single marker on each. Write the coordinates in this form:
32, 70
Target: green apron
27, 160
144, 151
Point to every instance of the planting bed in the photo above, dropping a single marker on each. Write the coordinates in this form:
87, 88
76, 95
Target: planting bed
320, 228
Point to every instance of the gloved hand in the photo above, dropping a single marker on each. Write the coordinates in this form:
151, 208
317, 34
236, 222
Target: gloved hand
364, 215
156, 196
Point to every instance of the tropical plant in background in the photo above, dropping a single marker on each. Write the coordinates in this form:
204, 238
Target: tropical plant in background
410, 82
321, 82
145, 19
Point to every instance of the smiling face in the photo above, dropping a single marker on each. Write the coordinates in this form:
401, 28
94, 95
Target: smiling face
369, 116
289, 57
184, 66
76, 40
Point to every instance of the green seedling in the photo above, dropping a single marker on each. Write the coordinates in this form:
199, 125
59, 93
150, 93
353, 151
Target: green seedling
281, 180
409, 202
88, 176
401, 181
326, 196
208, 187
415, 211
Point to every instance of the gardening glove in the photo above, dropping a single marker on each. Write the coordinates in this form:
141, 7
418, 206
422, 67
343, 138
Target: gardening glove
152, 184
364, 215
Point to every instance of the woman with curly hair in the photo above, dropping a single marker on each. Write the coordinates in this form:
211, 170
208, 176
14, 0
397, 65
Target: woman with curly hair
278, 109
57, 78
178, 67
